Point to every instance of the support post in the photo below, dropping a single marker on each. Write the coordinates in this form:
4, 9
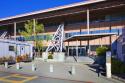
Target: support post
101, 42
34, 26
88, 21
77, 48
88, 47
14, 30
68, 48
34, 31
72, 51
110, 37
88, 29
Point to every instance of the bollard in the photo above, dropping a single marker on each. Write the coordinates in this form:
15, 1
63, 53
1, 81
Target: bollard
51, 68
17, 65
108, 70
33, 67
6, 64
108, 64
73, 70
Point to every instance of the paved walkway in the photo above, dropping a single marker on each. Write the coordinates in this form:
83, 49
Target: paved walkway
61, 71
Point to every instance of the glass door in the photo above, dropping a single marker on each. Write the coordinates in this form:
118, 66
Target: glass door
73, 50
81, 51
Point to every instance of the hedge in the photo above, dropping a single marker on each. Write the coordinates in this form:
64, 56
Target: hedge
117, 66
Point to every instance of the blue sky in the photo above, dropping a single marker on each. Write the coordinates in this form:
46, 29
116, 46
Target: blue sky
14, 7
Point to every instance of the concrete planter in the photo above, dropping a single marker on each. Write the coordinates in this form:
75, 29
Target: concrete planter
59, 56
50, 60
44, 55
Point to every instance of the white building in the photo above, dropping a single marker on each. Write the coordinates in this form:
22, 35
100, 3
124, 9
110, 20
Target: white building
14, 48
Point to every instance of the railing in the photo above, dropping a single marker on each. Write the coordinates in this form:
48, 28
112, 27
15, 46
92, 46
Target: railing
43, 37
117, 31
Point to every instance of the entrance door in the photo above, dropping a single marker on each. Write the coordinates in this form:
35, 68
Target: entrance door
81, 51
72, 51
22, 50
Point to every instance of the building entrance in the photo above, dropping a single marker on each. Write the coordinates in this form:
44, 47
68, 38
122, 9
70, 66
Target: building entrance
74, 51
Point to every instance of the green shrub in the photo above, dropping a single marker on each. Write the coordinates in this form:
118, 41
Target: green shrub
101, 51
50, 56
122, 68
118, 67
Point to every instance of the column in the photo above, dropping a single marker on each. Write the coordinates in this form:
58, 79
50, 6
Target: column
34, 25
68, 48
88, 47
80, 40
77, 49
88, 28
88, 21
110, 37
14, 30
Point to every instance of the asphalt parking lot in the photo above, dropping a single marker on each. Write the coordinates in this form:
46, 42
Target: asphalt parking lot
6, 77
15, 78
61, 73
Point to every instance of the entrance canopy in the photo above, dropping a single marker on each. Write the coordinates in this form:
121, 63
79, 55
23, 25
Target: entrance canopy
88, 37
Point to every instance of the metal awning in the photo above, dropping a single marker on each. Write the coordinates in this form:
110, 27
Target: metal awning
88, 37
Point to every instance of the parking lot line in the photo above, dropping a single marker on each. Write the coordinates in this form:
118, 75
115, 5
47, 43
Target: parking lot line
26, 78
30, 78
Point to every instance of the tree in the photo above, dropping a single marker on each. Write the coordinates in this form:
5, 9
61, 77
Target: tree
29, 31
48, 37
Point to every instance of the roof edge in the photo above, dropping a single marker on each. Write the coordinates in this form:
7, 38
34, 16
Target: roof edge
52, 9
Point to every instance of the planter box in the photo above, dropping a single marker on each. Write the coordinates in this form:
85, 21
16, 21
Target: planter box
59, 56
44, 55
50, 60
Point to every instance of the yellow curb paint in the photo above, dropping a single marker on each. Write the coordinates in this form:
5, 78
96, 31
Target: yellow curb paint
30, 78
8, 76
20, 76
26, 78
10, 81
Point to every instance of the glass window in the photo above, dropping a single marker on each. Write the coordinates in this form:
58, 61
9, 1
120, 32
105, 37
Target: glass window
11, 48
93, 47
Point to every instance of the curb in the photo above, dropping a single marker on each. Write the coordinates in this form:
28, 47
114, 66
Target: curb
118, 78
